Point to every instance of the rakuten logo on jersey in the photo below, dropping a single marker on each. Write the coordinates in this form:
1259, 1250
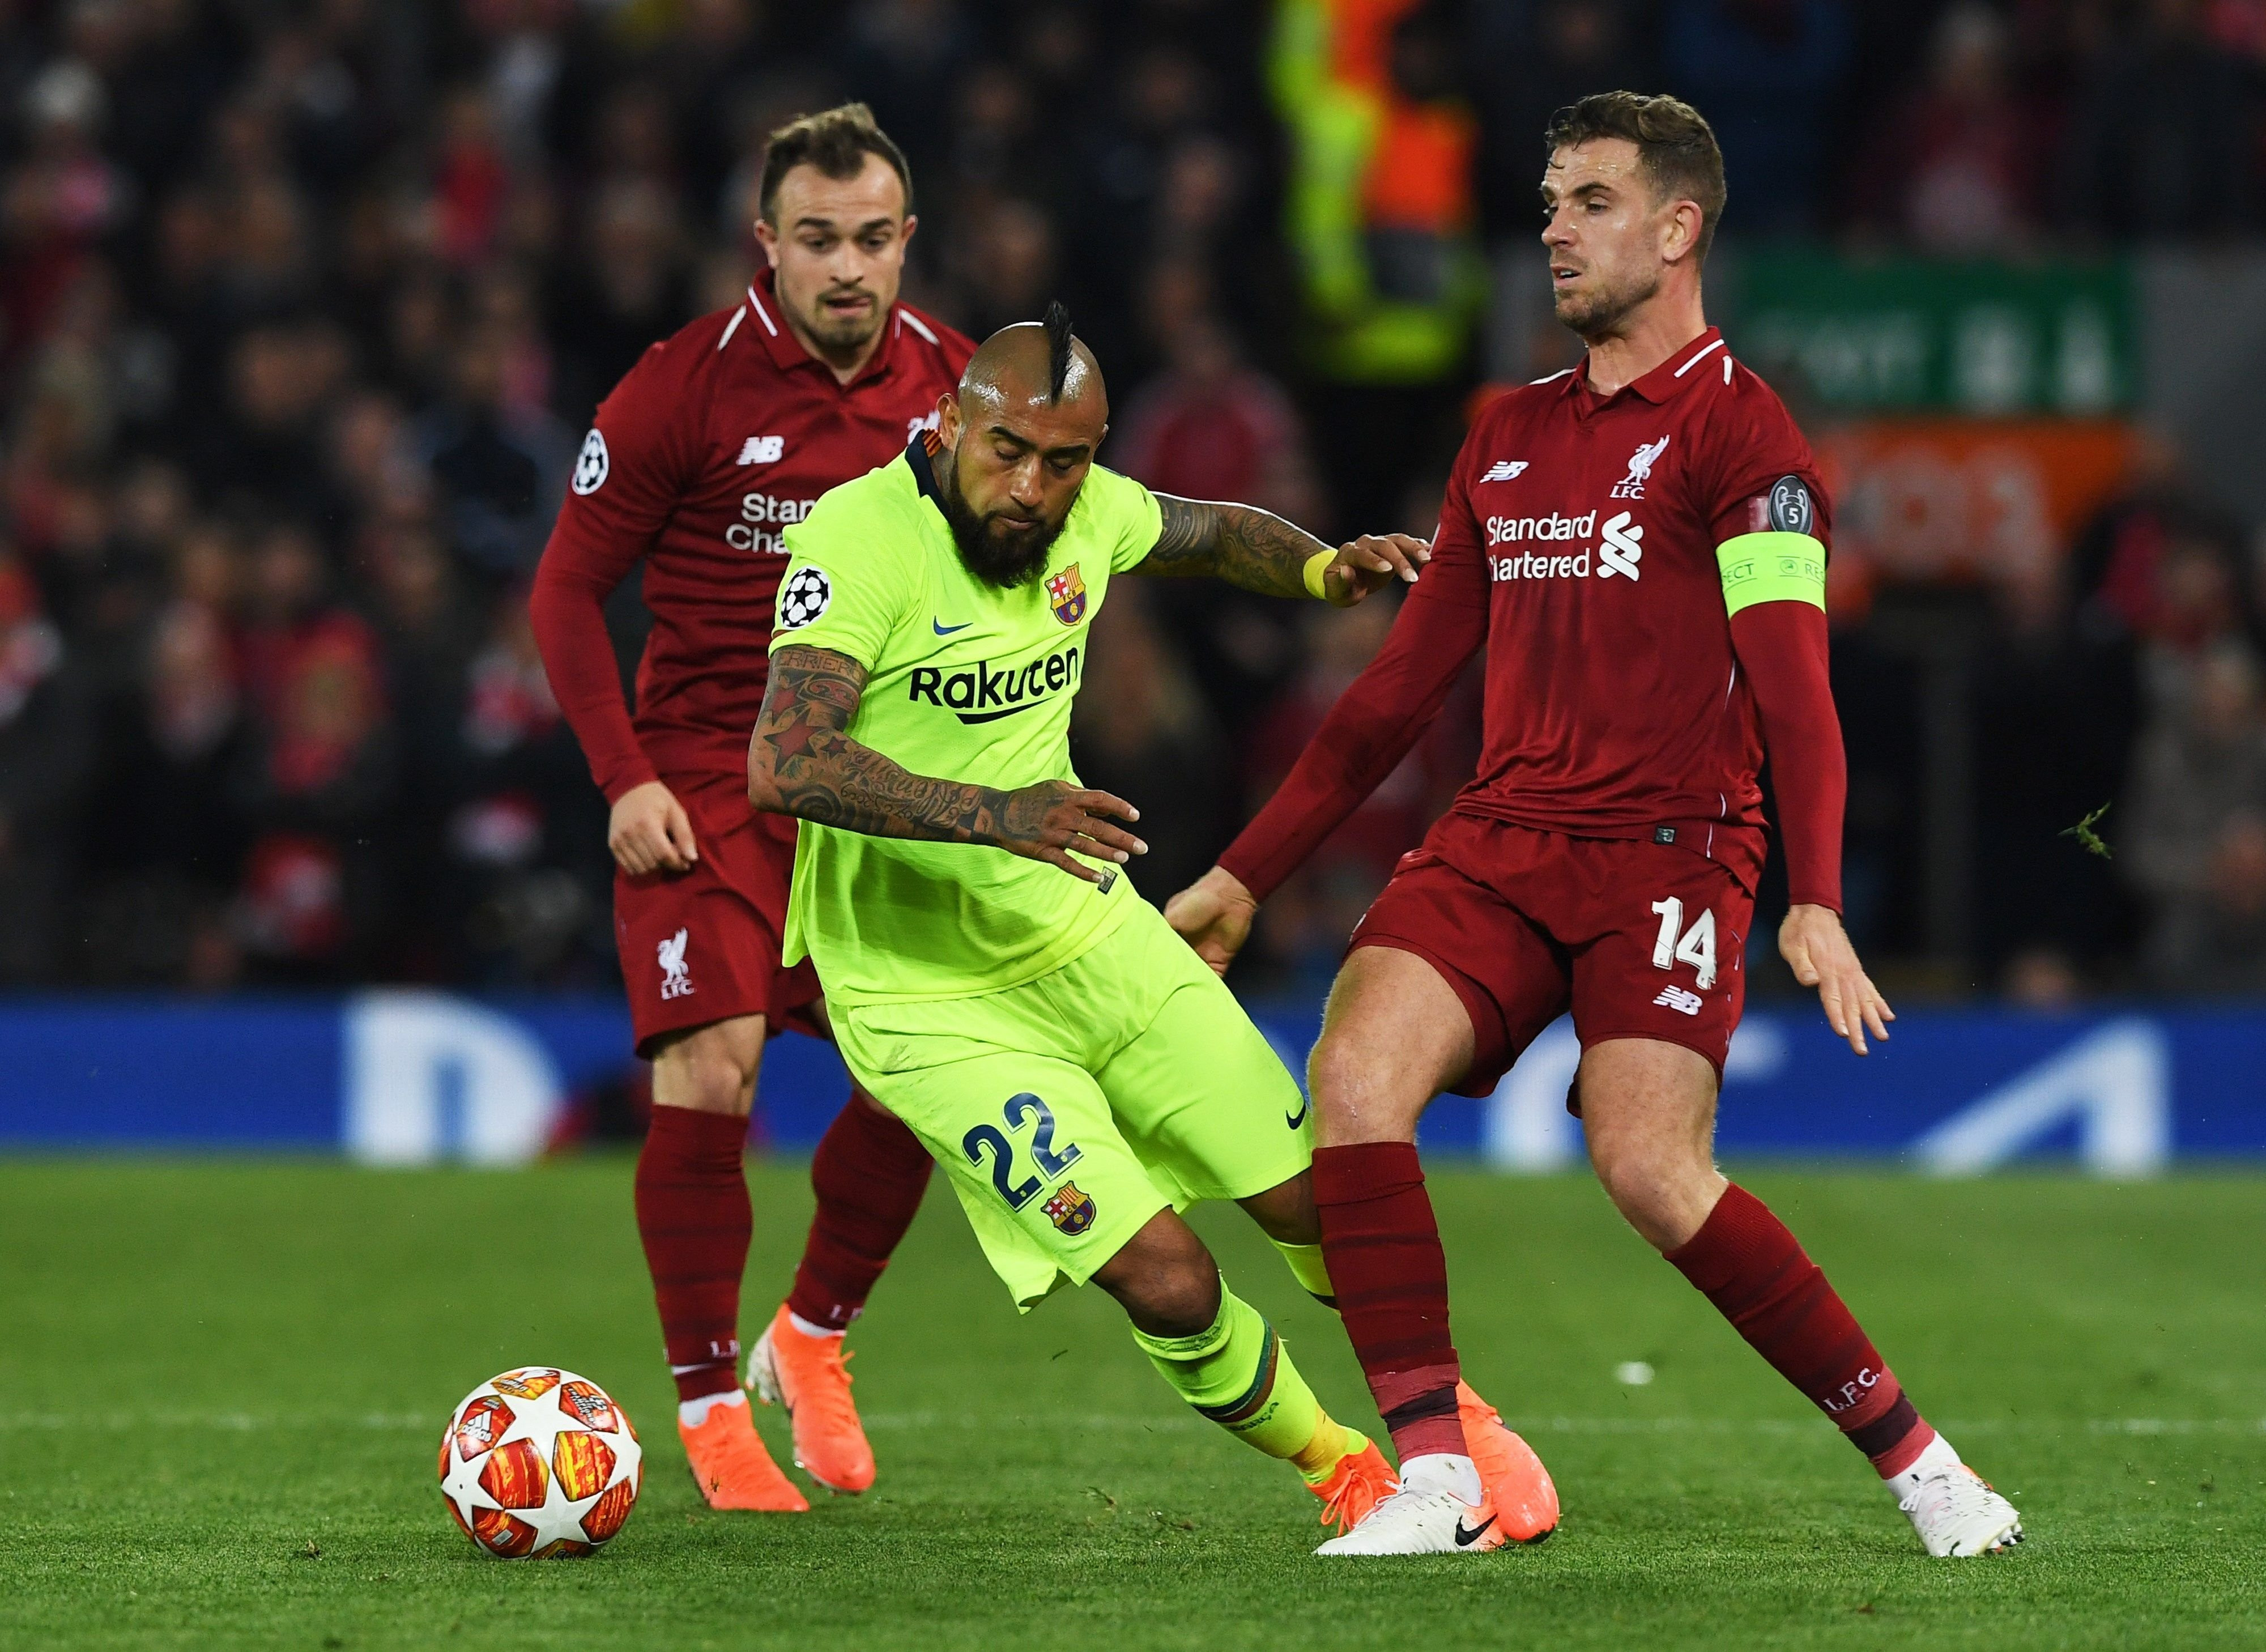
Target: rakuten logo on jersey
763, 520
981, 694
1620, 551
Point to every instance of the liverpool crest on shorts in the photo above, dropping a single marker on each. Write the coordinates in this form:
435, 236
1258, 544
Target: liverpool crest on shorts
1069, 1209
1067, 594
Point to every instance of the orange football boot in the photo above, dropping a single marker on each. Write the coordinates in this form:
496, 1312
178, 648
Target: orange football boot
731, 1467
1363, 1480
805, 1374
1512, 1476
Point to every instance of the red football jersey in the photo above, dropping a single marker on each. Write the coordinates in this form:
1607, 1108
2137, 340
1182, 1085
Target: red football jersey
1577, 543
716, 440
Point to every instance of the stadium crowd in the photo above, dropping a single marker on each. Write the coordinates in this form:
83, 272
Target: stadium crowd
304, 308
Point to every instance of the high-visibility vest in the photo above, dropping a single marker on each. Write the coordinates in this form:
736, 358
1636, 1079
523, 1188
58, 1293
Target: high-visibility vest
1380, 210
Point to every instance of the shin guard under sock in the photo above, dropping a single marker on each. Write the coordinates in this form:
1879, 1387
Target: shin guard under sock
869, 1174
1383, 1248
694, 1220
1238, 1373
1746, 1263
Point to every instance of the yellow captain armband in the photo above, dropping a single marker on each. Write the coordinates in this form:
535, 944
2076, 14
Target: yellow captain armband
1317, 565
1772, 567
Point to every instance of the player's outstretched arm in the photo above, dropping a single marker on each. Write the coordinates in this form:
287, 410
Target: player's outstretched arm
1260, 552
800, 762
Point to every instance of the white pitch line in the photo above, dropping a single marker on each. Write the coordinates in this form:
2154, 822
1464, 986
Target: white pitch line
415, 1423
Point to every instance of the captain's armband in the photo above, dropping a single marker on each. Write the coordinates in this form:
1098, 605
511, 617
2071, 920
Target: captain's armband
1772, 567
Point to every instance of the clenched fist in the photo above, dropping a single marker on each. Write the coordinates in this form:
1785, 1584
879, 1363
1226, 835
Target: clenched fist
1213, 914
650, 832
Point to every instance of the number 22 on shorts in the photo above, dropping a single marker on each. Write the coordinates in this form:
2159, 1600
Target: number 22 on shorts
1001, 1149
1695, 946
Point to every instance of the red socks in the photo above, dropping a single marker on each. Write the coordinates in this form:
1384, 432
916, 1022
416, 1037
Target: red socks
1382, 1246
693, 1216
869, 1174
1756, 1273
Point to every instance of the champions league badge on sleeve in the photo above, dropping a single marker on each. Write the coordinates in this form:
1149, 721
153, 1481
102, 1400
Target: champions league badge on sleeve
1066, 592
804, 597
1790, 510
591, 464
1069, 1209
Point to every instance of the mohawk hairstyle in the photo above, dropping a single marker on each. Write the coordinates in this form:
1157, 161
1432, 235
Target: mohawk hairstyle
1058, 345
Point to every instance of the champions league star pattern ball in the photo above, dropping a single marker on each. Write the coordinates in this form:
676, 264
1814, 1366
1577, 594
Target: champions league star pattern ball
540, 1463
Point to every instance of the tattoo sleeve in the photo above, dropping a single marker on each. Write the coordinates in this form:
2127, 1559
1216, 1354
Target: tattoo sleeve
1241, 544
802, 763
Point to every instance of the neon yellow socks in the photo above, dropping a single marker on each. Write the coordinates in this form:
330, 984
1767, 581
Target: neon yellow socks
1238, 1373
1306, 1267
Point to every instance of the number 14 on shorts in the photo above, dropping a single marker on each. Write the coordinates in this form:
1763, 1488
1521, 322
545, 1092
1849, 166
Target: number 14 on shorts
1695, 946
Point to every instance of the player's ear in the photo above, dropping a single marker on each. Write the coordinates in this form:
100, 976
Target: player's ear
1680, 235
767, 237
905, 233
947, 419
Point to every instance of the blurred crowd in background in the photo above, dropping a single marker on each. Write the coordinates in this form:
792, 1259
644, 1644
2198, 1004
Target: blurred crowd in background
305, 304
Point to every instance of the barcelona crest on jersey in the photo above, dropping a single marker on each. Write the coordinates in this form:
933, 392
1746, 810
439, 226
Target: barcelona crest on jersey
1069, 1209
1067, 593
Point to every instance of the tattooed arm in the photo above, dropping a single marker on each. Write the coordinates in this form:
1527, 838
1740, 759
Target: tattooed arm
1260, 552
800, 762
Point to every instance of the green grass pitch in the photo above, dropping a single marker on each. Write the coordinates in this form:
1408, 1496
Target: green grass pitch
221, 1385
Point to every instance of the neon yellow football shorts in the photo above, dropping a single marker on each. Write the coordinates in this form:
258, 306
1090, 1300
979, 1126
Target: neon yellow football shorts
1071, 1109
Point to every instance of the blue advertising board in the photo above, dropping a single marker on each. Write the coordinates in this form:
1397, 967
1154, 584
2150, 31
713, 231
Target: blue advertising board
413, 1077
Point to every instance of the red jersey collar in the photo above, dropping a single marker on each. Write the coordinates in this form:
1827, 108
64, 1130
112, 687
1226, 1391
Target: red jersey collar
1665, 380
788, 352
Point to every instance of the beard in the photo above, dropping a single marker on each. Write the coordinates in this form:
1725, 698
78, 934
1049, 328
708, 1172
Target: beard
1008, 562
1600, 309
837, 335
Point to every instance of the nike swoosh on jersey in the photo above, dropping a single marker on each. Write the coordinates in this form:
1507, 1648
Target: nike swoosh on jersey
943, 630
1465, 1538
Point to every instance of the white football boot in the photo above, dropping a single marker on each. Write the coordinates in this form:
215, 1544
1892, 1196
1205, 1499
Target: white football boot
1426, 1517
1953, 1508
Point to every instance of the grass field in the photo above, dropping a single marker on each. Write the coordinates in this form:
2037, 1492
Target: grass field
209, 1372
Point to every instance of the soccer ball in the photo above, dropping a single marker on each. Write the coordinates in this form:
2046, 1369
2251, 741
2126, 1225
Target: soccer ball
540, 1463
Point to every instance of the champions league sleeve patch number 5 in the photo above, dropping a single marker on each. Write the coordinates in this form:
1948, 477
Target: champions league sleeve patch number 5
1786, 508
803, 598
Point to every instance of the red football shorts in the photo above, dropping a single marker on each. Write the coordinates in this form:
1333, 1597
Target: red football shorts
1640, 939
703, 946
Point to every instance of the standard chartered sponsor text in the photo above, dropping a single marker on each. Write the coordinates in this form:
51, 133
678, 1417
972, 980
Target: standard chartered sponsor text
763, 517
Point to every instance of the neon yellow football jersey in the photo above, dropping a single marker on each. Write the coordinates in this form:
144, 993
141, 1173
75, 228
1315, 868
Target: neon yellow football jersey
964, 681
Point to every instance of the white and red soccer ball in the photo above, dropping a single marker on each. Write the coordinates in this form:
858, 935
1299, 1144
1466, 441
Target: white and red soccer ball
540, 1463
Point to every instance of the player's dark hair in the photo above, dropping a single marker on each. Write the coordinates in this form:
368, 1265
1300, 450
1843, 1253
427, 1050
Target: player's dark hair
1056, 323
837, 142
1675, 146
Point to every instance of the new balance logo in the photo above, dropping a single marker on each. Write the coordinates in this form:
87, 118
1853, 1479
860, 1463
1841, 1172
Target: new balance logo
1679, 1000
675, 984
763, 449
1503, 469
